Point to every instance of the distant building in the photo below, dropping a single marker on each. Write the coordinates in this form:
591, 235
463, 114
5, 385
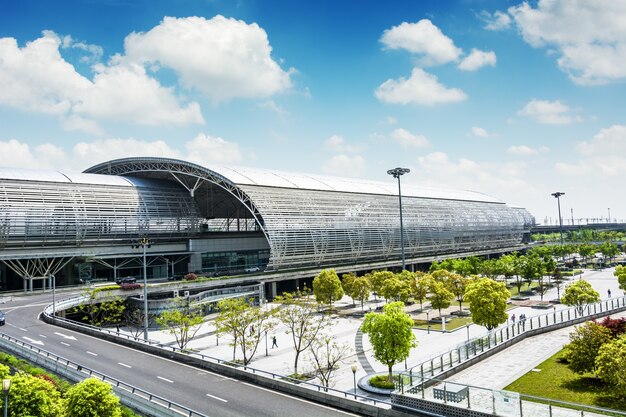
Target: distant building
231, 220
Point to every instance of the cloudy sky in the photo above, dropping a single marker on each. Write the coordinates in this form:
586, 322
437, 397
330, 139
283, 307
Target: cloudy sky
515, 100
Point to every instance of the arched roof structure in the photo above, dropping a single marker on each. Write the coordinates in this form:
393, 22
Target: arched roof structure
312, 220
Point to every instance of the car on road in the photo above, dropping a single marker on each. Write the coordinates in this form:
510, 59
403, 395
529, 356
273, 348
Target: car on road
126, 280
2, 318
253, 269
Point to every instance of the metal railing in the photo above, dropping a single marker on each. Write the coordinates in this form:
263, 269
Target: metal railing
130, 395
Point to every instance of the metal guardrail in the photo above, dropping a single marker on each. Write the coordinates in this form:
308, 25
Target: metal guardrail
130, 395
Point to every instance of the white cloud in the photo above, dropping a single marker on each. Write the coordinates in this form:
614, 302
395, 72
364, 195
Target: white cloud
222, 57
479, 132
272, 106
524, 150
337, 143
496, 21
422, 88
422, 38
94, 52
45, 156
344, 165
408, 139
209, 149
36, 78
588, 35
549, 112
477, 59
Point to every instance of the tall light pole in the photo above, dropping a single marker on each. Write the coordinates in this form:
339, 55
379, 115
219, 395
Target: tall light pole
354, 368
144, 243
397, 173
558, 195
6, 386
54, 304
609, 220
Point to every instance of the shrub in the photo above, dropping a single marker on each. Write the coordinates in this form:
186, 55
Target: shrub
126, 286
381, 381
616, 326
190, 277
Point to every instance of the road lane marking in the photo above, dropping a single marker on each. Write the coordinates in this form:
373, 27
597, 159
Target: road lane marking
165, 379
45, 337
123, 364
298, 399
65, 344
23, 329
217, 398
65, 336
93, 354
33, 341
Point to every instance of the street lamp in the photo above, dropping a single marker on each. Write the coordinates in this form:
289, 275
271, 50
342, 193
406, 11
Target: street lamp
558, 195
145, 243
354, 368
397, 173
609, 219
6, 386
54, 305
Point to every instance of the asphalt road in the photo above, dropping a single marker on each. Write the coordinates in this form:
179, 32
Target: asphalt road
206, 392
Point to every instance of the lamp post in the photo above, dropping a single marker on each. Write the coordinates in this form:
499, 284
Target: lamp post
609, 219
558, 195
6, 386
54, 305
145, 243
397, 173
354, 368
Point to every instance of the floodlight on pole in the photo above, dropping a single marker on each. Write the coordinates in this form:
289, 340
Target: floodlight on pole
397, 173
144, 243
558, 195
6, 386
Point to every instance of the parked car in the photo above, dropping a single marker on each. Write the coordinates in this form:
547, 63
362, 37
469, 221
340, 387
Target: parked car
253, 269
175, 277
125, 280
2, 319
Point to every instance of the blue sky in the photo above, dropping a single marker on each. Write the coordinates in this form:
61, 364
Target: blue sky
515, 100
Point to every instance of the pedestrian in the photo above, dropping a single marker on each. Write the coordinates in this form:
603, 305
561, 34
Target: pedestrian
274, 344
522, 320
609, 292
513, 318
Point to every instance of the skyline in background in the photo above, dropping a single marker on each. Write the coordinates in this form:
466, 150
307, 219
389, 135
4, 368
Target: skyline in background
516, 100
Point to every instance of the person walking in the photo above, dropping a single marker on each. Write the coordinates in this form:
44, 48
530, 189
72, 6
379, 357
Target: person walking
609, 292
274, 344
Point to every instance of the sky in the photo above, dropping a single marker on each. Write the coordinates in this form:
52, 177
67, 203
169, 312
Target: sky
516, 100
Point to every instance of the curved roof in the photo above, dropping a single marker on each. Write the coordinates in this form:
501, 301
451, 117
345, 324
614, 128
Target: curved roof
281, 179
23, 174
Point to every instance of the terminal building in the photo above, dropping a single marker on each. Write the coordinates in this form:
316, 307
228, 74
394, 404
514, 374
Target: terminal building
275, 227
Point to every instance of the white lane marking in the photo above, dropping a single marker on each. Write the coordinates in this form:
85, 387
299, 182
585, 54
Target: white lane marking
64, 336
123, 364
92, 354
217, 398
33, 341
23, 329
165, 379
65, 344
298, 399
12, 325
44, 336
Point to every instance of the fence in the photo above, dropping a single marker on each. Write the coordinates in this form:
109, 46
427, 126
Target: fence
452, 399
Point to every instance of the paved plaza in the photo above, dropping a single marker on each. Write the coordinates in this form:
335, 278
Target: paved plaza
495, 372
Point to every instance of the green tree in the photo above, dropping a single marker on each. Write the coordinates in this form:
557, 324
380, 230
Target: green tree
5, 371
378, 278
610, 364
487, 299
419, 288
586, 250
101, 310
181, 321
390, 334
440, 296
457, 284
620, 273
579, 294
299, 315
247, 324
396, 289
609, 250
347, 280
327, 287
361, 289
92, 398
33, 396
325, 355
585, 341
530, 267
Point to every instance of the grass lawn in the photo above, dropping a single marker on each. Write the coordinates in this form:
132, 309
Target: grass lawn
556, 381
453, 324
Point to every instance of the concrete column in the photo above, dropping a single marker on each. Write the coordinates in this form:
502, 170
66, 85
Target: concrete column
272, 289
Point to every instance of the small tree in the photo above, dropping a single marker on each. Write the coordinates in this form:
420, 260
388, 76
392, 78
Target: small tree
327, 287
134, 320
440, 296
487, 299
419, 288
98, 311
325, 355
579, 294
32, 396
457, 284
611, 366
396, 289
585, 341
378, 278
298, 314
181, 321
361, 289
391, 334
93, 398
347, 281
620, 273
